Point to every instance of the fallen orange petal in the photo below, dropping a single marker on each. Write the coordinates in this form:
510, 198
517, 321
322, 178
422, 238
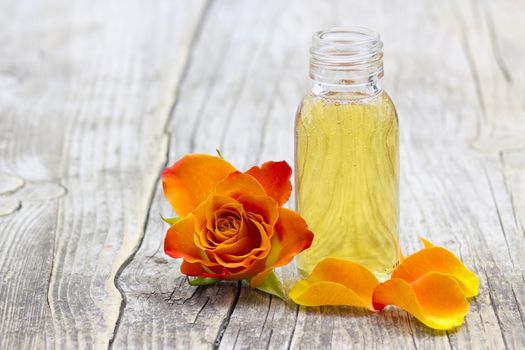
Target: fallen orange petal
191, 179
336, 282
439, 259
435, 299
275, 178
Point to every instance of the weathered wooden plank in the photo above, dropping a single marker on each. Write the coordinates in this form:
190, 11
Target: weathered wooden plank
247, 110
453, 189
85, 92
212, 102
258, 322
454, 70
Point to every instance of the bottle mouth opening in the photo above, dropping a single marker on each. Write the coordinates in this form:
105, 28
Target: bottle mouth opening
347, 36
354, 50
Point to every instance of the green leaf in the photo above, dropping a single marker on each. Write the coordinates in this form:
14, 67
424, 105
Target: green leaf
219, 153
202, 281
273, 286
170, 221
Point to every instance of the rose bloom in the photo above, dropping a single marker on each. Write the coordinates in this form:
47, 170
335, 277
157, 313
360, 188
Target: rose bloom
232, 225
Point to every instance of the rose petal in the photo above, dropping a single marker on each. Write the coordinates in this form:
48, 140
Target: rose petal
292, 237
438, 259
179, 243
191, 179
336, 282
201, 270
435, 299
255, 244
244, 258
240, 273
247, 258
192, 269
216, 204
275, 178
262, 205
238, 184
204, 219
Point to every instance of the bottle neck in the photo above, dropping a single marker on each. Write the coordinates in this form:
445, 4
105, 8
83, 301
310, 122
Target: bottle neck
346, 60
370, 88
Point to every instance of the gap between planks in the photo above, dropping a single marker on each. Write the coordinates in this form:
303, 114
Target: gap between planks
166, 149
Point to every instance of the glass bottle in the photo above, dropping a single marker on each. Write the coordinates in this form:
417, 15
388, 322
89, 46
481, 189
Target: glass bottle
347, 154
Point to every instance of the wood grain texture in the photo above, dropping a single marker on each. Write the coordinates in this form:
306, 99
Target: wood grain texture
86, 90
96, 98
450, 167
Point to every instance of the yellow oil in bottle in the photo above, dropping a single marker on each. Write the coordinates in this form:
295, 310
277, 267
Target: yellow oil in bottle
347, 180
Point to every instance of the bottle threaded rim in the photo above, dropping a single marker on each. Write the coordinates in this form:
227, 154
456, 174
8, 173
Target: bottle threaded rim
346, 55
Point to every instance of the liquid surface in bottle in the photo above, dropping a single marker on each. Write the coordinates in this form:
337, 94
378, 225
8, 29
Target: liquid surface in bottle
347, 181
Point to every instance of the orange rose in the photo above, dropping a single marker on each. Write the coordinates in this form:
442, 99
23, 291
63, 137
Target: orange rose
232, 224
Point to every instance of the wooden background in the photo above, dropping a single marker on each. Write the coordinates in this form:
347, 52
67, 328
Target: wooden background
97, 97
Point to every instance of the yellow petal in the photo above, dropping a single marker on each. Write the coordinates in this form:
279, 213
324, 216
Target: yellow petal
336, 282
435, 299
438, 259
